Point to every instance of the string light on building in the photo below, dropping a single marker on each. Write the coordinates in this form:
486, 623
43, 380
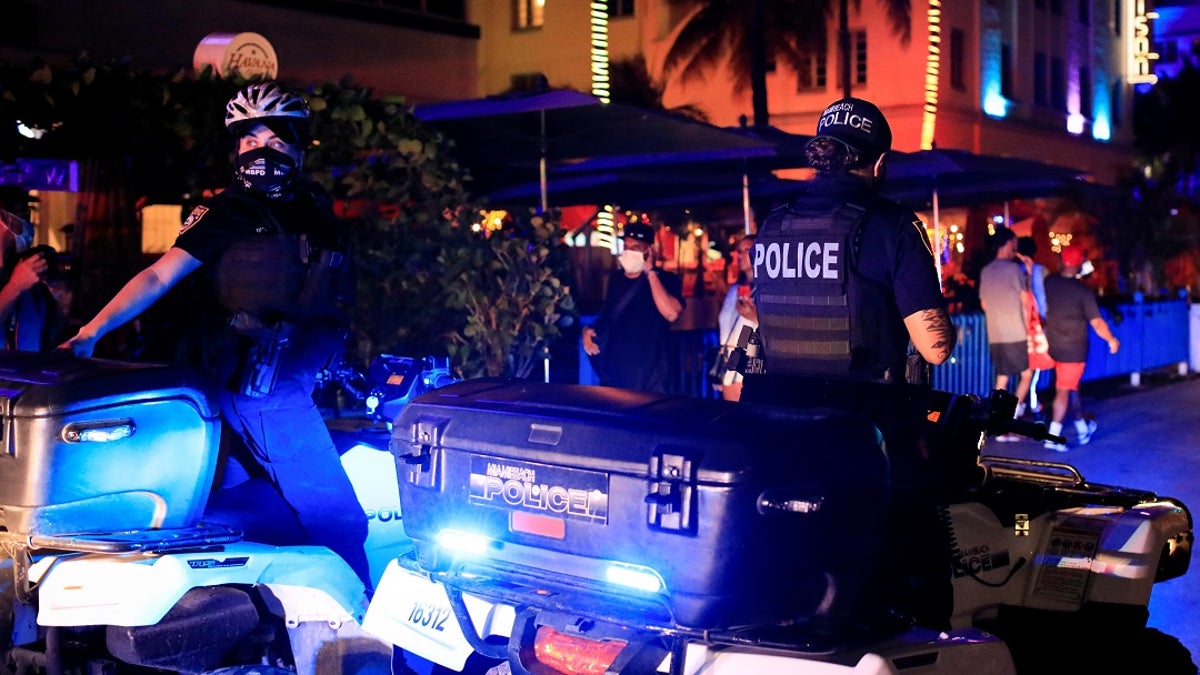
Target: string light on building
605, 230
599, 54
932, 70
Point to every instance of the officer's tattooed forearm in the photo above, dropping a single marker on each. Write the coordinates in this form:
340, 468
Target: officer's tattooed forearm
939, 326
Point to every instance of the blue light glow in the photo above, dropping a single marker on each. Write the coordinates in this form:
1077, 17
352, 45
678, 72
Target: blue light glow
994, 103
635, 577
1101, 109
460, 542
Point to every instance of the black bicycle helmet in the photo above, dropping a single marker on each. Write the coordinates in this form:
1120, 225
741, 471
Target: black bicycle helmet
265, 100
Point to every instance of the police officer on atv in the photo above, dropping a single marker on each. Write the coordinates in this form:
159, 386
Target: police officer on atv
850, 310
271, 245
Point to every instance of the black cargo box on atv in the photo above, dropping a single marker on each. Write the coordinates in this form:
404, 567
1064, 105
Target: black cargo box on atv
745, 514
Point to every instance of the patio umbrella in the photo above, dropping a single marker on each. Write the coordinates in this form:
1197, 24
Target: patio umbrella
960, 176
501, 138
701, 175
936, 177
651, 188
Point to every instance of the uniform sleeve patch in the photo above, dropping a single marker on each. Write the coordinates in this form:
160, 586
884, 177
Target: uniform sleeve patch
193, 218
920, 226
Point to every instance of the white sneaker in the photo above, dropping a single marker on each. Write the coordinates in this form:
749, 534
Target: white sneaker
1057, 447
1086, 436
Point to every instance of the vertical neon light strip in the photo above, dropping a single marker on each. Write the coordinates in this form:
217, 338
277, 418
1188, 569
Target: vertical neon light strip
932, 71
600, 81
1139, 57
605, 221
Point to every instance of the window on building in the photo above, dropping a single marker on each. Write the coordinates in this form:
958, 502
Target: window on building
860, 56
1006, 71
1039, 78
1085, 91
958, 40
527, 81
1116, 15
1040, 4
451, 9
1056, 7
1085, 12
813, 71
1058, 85
620, 8
528, 14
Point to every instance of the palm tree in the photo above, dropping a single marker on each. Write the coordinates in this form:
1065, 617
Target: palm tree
743, 33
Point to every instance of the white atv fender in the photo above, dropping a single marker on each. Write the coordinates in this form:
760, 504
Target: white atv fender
320, 596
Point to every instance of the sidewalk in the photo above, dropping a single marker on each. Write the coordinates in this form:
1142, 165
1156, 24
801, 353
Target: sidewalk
1148, 438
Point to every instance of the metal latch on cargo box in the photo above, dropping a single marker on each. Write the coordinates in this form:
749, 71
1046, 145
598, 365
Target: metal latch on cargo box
417, 458
672, 491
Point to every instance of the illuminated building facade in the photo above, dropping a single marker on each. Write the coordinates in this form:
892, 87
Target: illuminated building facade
1040, 79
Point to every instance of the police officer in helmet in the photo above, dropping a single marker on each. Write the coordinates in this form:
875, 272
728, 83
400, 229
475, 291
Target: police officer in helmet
850, 310
867, 259
276, 270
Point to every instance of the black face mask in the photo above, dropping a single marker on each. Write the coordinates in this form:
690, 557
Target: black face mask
267, 172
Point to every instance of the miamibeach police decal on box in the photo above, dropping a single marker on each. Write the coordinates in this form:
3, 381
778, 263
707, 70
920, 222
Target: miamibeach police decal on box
572, 494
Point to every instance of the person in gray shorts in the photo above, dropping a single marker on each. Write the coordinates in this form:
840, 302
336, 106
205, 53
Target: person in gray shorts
1001, 286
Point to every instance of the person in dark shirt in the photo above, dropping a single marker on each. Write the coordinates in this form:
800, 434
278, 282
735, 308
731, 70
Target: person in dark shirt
630, 340
1070, 309
270, 242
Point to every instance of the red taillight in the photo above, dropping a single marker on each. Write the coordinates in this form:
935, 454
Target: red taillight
573, 655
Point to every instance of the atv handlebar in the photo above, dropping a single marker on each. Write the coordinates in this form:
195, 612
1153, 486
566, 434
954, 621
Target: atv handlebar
1001, 409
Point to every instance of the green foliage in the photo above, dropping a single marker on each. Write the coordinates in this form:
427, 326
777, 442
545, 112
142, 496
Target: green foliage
428, 284
507, 286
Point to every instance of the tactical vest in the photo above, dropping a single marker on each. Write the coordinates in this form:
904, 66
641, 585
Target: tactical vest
803, 269
261, 274
276, 274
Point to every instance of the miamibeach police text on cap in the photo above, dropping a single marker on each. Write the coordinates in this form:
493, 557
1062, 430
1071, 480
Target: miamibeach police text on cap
842, 114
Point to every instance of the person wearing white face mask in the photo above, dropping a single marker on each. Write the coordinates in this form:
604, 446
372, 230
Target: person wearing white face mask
630, 341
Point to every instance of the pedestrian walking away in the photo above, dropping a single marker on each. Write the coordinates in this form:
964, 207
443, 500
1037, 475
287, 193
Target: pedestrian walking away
1038, 347
1071, 309
274, 252
1003, 295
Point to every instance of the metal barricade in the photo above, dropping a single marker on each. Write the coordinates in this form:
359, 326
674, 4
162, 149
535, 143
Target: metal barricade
1154, 334
969, 369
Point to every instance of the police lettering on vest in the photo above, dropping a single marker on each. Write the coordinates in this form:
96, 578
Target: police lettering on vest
801, 276
792, 260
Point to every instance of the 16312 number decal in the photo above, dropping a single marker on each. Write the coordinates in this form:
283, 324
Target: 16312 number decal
428, 615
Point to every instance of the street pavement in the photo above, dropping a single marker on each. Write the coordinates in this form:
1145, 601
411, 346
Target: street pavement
1147, 438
